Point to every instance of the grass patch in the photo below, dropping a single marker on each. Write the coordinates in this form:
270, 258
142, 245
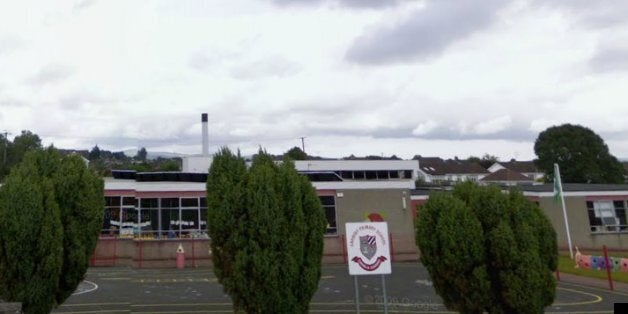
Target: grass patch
567, 265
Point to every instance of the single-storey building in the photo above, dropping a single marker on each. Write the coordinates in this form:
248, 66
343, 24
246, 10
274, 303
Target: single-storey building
148, 214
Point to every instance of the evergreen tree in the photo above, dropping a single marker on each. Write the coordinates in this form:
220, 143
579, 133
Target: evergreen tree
141, 154
80, 195
268, 257
70, 217
488, 251
225, 210
295, 153
31, 243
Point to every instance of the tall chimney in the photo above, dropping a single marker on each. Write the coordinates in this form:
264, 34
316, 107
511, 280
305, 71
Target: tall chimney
205, 135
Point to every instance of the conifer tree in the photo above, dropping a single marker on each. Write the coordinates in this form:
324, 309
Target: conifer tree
31, 239
488, 251
80, 195
267, 226
67, 207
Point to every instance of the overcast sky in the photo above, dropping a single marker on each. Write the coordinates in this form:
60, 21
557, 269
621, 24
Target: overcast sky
436, 77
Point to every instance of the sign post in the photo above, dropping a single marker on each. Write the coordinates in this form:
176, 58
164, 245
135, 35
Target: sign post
368, 251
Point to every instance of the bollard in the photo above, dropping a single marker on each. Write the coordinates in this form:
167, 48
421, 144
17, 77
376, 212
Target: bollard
180, 257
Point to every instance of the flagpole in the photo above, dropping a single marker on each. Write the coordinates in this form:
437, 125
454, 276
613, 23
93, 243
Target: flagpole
562, 200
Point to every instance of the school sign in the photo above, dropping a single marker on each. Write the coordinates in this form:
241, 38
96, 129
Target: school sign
368, 248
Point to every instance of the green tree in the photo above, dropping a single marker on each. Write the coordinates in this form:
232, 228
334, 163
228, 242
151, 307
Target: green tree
295, 153
80, 195
266, 256
72, 208
582, 155
226, 193
4, 152
13, 152
141, 154
31, 239
488, 251
486, 161
94, 154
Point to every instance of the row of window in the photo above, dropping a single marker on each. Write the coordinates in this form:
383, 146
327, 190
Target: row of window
172, 217
374, 174
607, 216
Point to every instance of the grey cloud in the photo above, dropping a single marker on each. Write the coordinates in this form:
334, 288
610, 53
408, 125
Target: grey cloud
83, 98
424, 33
8, 44
50, 74
274, 66
12, 102
83, 4
360, 4
595, 14
199, 61
610, 60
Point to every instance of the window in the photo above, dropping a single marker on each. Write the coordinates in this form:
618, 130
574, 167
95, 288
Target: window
329, 206
170, 217
607, 216
203, 222
149, 223
111, 221
407, 174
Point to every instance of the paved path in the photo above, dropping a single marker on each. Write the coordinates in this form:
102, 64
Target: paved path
409, 290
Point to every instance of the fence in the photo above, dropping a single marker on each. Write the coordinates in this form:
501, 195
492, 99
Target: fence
146, 251
602, 262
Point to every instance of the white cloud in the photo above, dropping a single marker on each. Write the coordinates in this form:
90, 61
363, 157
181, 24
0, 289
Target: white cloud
493, 126
425, 128
125, 74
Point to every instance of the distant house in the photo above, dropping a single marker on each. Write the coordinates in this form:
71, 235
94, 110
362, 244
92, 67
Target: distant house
526, 168
438, 170
506, 177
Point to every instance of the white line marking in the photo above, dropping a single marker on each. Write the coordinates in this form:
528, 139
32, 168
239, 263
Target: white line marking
94, 287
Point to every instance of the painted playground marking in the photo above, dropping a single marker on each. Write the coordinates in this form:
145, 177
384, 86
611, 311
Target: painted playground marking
85, 287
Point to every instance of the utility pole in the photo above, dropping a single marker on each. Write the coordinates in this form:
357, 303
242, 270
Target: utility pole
302, 143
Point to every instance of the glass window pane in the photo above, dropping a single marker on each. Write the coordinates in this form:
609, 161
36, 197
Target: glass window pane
130, 201
189, 219
327, 200
203, 202
111, 221
330, 214
112, 201
189, 202
203, 222
170, 203
149, 203
170, 222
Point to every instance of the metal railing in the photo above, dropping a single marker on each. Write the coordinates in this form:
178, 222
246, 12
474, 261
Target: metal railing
136, 234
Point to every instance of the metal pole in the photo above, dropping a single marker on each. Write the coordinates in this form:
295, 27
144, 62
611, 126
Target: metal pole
608, 268
385, 298
562, 200
357, 294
